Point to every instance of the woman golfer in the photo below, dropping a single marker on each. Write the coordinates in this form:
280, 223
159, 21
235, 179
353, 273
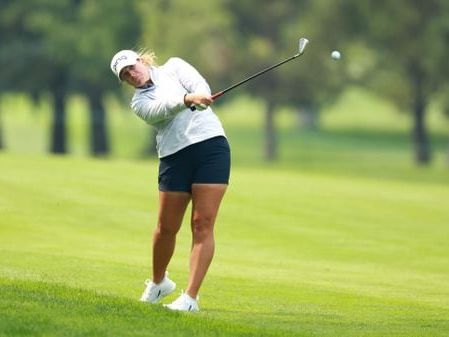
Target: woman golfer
194, 164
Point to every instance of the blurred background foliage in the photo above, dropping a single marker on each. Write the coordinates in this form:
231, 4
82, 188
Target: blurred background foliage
390, 89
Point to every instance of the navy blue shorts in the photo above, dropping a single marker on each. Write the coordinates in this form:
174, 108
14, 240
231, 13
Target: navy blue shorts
206, 162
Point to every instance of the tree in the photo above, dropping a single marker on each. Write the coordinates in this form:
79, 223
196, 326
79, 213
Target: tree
320, 80
411, 54
36, 48
207, 43
65, 47
198, 31
261, 41
98, 39
444, 99
310, 83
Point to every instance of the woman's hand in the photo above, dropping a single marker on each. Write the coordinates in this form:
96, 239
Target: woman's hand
200, 100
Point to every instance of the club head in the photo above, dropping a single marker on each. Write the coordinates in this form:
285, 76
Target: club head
302, 44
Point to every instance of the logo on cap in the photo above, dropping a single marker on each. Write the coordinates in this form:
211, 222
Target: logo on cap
123, 57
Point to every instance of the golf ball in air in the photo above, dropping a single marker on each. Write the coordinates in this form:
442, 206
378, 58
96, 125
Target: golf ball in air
336, 55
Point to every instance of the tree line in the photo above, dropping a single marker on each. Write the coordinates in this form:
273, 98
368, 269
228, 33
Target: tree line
64, 47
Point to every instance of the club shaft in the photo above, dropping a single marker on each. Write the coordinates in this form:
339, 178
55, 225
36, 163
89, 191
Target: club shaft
220, 93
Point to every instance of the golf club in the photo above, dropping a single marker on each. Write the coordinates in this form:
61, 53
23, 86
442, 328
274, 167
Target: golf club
302, 45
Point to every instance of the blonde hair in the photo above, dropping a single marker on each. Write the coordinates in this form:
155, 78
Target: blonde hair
147, 57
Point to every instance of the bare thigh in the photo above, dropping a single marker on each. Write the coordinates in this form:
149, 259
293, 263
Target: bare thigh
172, 206
206, 200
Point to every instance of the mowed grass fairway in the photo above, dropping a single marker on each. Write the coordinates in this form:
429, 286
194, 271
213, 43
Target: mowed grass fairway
299, 253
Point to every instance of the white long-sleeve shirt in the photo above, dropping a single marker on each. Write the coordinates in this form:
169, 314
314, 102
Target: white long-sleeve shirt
162, 105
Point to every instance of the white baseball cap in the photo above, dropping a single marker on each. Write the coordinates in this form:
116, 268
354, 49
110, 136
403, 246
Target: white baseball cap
123, 59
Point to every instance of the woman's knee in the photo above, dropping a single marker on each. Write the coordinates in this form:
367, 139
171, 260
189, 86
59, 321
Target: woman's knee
202, 226
163, 229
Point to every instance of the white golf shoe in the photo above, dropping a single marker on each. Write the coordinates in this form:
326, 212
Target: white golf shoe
155, 292
184, 303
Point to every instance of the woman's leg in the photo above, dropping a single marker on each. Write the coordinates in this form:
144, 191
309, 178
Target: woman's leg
172, 206
206, 199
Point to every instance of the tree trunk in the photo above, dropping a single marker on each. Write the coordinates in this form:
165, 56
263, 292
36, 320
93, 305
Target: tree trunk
1, 130
448, 155
308, 117
99, 141
270, 133
58, 142
420, 136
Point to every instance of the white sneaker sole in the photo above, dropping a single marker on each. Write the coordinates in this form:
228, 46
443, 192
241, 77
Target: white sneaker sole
189, 309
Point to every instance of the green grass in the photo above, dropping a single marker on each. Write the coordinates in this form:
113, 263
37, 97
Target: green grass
342, 236
302, 250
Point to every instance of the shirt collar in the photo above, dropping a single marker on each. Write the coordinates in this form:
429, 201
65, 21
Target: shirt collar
154, 78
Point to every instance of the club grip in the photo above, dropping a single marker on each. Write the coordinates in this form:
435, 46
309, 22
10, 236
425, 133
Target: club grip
214, 97
218, 94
